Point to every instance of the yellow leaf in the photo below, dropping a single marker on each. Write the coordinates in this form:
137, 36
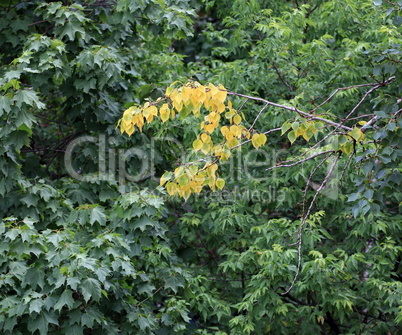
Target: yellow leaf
207, 103
212, 90
212, 168
356, 133
237, 119
220, 183
199, 177
130, 130
171, 188
197, 188
230, 114
300, 130
347, 148
235, 130
149, 118
224, 130
179, 171
213, 117
127, 115
170, 89
186, 194
192, 170
229, 135
307, 135
232, 142
178, 105
152, 110
221, 96
164, 112
220, 107
205, 138
258, 140
209, 128
197, 145
186, 94
206, 147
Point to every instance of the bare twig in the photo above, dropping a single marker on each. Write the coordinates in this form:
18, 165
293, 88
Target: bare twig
300, 161
341, 89
281, 78
259, 114
309, 181
304, 220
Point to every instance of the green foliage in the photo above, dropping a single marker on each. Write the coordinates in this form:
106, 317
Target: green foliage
110, 271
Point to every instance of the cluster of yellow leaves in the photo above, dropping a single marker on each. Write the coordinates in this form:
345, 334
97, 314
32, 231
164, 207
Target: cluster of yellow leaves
186, 180
195, 95
189, 99
136, 116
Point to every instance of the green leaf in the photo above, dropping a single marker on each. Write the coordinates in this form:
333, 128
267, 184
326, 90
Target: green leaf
285, 127
41, 323
174, 283
292, 136
353, 197
5, 105
98, 215
66, 299
36, 305
24, 118
34, 277
28, 97
71, 29
91, 289
143, 222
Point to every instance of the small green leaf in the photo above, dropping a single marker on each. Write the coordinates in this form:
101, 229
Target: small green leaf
285, 127
292, 136
5, 105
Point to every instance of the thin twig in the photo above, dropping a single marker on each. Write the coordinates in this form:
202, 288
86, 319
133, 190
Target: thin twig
141, 302
341, 89
281, 78
304, 220
301, 161
309, 181
345, 168
259, 114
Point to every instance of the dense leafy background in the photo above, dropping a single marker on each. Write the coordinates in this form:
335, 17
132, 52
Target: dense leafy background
113, 255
